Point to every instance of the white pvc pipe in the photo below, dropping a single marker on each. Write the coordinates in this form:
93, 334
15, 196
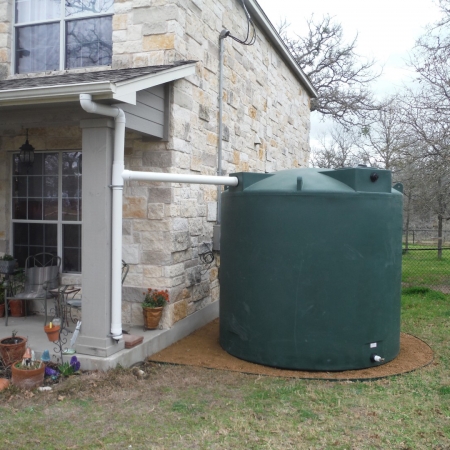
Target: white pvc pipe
118, 176
117, 186
179, 178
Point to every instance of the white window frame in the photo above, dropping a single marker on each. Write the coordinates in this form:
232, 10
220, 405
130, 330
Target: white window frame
59, 222
62, 34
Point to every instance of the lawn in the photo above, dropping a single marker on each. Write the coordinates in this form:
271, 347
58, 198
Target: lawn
175, 407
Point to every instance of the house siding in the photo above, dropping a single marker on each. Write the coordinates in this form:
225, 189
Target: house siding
165, 224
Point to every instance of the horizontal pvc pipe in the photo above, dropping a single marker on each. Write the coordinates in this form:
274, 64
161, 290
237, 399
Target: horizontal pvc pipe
179, 178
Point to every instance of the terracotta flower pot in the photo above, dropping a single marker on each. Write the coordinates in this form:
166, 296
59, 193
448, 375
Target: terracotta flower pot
27, 379
152, 316
12, 349
4, 383
52, 333
2, 309
17, 307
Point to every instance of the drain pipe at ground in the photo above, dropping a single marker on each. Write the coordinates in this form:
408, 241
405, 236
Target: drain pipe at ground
118, 177
117, 199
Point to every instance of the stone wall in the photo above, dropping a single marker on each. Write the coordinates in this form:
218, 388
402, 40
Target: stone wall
266, 128
6, 13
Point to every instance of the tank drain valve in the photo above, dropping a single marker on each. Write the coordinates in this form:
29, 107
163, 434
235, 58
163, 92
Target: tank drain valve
376, 358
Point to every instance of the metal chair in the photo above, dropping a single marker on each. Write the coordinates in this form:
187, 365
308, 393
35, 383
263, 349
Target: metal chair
75, 303
41, 275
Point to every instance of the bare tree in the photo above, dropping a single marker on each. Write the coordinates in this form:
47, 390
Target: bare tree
384, 138
341, 77
335, 150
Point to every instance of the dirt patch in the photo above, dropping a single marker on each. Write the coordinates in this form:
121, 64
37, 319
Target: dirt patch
202, 349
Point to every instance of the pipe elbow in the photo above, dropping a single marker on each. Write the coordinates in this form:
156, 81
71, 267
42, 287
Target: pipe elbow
87, 104
92, 107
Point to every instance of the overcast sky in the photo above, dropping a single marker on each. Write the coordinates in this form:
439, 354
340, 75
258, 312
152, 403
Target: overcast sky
387, 30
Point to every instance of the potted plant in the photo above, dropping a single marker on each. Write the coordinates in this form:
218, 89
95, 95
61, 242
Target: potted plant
7, 264
152, 306
52, 330
27, 373
12, 348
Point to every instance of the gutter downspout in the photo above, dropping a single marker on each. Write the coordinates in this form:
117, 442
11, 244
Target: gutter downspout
117, 200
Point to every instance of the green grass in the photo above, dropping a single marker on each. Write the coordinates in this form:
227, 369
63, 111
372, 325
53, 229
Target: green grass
177, 407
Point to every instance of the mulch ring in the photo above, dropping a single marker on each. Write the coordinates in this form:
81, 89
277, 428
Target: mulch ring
202, 349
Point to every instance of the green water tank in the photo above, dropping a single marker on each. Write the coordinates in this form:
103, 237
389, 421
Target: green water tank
310, 272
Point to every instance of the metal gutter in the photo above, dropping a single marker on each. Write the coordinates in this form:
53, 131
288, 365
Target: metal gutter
264, 23
120, 91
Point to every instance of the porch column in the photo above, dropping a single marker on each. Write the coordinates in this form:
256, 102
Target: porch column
97, 148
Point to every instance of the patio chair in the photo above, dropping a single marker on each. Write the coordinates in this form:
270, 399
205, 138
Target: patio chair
75, 303
41, 275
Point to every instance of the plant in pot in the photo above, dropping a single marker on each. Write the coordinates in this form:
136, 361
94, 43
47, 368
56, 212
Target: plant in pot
152, 307
52, 329
12, 348
7, 264
27, 373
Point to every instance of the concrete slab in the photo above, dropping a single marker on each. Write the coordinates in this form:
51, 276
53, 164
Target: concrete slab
32, 327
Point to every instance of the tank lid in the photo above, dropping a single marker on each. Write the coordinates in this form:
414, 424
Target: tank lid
353, 179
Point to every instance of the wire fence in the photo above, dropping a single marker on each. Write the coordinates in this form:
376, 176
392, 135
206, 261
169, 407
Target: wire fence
425, 236
427, 267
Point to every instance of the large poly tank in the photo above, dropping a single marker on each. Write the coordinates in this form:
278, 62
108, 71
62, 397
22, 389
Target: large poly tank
310, 272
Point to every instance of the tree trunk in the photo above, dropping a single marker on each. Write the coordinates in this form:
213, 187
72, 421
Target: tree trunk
440, 220
408, 209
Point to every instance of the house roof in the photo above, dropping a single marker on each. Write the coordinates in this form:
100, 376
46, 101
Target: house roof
265, 24
120, 85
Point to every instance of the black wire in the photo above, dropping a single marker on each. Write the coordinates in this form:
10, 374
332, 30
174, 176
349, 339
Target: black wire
206, 258
250, 23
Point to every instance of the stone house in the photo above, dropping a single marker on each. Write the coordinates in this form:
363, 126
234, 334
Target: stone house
158, 61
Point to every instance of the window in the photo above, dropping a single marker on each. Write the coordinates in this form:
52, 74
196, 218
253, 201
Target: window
46, 208
62, 34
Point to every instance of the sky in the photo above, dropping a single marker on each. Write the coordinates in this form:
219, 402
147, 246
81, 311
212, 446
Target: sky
387, 30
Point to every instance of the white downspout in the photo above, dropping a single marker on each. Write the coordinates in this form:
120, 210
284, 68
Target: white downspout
118, 176
117, 186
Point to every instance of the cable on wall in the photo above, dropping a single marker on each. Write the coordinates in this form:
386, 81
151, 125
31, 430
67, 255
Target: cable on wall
250, 39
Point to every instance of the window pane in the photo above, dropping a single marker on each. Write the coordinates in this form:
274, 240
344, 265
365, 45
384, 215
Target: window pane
51, 164
30, 239
37, 233
89, 42
50, 235
70, 209
20, 188
51, 187
71, 248
19, 209
34, 209
51, 209
37, 48
37, 10
34, 187
79, 8
36, 168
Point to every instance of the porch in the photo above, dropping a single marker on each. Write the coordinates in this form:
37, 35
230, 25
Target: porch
154, 340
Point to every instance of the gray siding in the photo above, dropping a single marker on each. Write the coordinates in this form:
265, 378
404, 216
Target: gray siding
148, 115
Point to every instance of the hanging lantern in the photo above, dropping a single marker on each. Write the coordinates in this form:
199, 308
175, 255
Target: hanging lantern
26, 155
